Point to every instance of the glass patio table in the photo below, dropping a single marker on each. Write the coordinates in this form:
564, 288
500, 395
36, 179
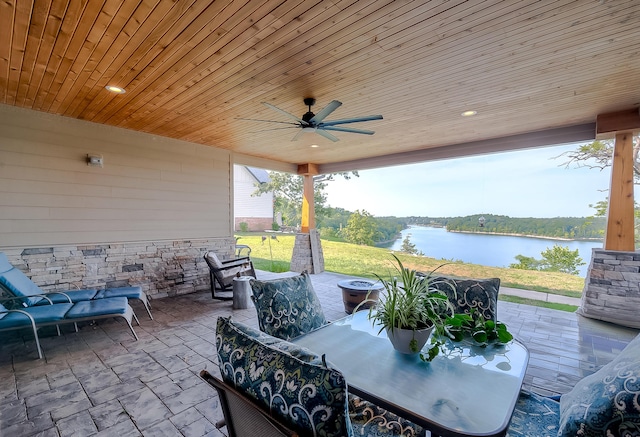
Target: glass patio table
466, 391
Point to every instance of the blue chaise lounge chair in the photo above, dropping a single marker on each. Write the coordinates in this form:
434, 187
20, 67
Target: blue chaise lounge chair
49, 314
17, 284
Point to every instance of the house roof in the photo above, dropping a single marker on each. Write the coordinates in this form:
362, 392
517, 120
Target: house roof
535, 72
260, 175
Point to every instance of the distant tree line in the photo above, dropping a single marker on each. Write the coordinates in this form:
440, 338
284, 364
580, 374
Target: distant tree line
360, 227
575, 228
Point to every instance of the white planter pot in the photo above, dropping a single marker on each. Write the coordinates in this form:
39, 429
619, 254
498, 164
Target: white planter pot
401, 339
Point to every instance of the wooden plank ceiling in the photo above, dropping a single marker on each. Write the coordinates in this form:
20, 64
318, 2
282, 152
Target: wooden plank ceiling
193, 68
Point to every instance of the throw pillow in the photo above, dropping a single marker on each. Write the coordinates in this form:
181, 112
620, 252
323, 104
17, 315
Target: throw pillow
288, 307
288, 381
213, 259
467, 294
606, 403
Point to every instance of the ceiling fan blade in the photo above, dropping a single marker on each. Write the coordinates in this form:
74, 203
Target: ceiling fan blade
352, 120
297, 135
291, 116
327, 135
273, 128
268, 121
348, 129
332, 106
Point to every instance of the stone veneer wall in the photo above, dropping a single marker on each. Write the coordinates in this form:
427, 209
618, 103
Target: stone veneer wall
161, 268
301, 258
612, 288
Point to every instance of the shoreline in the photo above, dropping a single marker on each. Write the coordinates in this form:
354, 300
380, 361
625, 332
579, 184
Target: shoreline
542, 237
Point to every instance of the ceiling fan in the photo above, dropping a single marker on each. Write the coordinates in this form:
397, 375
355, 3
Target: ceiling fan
311, 122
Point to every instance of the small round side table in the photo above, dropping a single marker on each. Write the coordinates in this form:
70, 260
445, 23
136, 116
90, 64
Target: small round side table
354, 291
241, 292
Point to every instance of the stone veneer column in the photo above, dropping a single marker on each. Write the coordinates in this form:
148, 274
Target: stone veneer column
304, 248
612, 288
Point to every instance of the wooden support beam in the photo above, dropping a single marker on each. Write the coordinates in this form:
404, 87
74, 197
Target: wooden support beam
308, 221
308, 169
620, 218
610, 124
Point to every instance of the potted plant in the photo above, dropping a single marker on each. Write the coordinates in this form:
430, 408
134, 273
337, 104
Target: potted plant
410, 309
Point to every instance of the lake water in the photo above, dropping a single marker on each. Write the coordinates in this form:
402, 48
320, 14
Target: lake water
487, 249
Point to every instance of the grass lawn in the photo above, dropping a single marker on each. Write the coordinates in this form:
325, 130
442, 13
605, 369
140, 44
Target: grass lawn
367, 261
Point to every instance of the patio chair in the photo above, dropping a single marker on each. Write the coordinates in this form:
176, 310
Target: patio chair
293, 390
222, 272
287, 307
57, 314
242, 417
17, 284
604, 403
467, 294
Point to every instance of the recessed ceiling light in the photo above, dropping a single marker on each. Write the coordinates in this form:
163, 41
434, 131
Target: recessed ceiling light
469, 113
314, 146
115, 89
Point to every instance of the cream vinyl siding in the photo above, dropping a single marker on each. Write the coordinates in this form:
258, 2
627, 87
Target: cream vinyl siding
150, 188
246, 205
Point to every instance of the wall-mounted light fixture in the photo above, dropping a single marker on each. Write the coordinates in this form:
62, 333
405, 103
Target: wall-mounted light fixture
95, 160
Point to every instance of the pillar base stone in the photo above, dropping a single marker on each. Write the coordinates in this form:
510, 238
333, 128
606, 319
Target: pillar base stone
307, 253
612, 288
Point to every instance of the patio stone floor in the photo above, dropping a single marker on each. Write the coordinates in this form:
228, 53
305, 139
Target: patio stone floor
102, 382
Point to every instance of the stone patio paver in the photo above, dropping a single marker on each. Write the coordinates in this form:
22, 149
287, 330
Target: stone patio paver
101, 382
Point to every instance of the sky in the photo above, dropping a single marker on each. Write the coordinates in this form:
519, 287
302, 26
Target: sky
525, 183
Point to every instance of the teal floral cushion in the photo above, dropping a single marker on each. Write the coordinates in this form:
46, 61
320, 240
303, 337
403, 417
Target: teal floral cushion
370, 420
606, 403
534, 416
468, 294
288, 307
289, 382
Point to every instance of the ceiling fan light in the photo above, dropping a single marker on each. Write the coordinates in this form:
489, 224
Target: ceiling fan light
309, 129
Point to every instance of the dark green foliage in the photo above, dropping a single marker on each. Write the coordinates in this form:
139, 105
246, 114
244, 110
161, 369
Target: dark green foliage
476, 327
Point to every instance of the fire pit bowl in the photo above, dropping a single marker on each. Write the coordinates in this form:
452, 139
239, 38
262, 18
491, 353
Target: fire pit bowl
355, 291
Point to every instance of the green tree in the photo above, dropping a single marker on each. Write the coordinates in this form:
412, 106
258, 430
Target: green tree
561, 259
361, 229
525, 263
555, 259
409, 247
599, 155
287, 191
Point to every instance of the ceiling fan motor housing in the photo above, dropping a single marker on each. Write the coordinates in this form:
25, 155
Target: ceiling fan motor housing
308, 116
309, 101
